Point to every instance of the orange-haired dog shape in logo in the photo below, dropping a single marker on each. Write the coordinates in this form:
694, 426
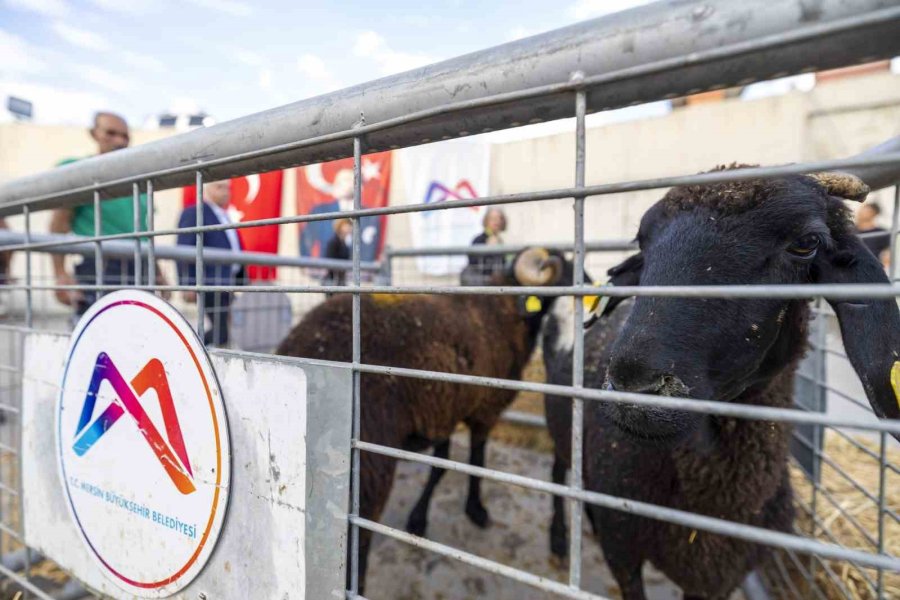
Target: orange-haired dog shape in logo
172, 454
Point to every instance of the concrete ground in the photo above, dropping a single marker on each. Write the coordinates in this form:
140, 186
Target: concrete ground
517, 536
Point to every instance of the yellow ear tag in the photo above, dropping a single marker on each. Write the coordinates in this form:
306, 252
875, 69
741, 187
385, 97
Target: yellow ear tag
595, 305
533, 304
895, 381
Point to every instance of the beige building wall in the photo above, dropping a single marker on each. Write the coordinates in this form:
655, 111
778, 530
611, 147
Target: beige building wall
836, 119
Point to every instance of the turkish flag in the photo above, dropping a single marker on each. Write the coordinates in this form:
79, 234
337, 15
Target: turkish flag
328, 187
253, 197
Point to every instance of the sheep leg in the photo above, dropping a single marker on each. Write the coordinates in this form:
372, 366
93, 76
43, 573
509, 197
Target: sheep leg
559, 545
418, 518
475, 509
628, 576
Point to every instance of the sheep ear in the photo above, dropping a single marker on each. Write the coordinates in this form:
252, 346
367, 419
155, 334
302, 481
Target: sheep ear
842, 185
870, 328
626, 273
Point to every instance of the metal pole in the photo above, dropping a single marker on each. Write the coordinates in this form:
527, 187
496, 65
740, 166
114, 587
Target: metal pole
575, 506
98, 246
388, 266
198, 276
28, 308
356, 357
895, 226
882, 454
151, 240
136, 206
820, 398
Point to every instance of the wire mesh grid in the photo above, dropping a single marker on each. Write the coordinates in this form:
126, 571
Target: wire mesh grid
817, 559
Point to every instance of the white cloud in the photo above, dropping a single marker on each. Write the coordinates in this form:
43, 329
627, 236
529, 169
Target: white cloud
105, 79
248, 57
231, 7
16, 56
319, 79
81, 37
588, 9
371, 45
143, 61
313, 67
54, 105
48, 8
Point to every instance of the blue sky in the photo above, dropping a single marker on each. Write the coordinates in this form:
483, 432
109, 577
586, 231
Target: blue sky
234, 57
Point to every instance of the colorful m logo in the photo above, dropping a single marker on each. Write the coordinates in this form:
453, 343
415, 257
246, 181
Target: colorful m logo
172, 455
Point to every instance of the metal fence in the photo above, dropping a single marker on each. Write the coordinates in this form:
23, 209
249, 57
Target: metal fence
676, 48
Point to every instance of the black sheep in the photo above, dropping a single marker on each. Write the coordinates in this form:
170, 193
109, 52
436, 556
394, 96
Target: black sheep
491, 336
781, 231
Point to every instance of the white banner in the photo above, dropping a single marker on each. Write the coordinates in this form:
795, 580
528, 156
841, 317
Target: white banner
443, 172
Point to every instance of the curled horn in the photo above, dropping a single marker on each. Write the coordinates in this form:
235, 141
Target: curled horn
535, 266
842, 185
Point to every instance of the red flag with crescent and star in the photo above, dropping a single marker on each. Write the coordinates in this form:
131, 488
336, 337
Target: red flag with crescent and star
328, 187
253, 197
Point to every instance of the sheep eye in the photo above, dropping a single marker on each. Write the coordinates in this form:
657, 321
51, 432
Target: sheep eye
805, 247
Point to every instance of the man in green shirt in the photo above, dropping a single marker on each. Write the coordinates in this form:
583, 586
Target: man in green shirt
110, 131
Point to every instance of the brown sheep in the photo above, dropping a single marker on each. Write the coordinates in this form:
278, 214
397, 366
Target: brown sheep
491, 336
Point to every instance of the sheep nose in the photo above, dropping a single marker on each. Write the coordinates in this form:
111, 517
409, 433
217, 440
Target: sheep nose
637, 381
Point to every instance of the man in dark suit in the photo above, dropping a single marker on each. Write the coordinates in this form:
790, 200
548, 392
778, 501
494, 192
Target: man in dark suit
216, 196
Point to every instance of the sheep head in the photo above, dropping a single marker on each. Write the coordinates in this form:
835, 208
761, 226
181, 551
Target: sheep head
779, 231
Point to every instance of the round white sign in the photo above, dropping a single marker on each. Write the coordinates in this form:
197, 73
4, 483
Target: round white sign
143, 443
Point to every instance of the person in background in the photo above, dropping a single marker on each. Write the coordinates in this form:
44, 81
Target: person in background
110, 132
339, 248
482, 266
865, 223
216, 305
315, 235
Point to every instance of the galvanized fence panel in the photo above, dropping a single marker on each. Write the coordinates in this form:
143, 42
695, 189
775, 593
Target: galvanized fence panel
677, 48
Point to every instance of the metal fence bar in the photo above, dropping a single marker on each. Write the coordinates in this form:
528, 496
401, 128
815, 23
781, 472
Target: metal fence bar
846, 476
151, 240
138, 226
819, 366
356, 358
831, 291
895, 228
863, 449
782, 570
689, 63
29, 316
766, 537
98, 246
73, 244
589, 192
807, 574
499, 249
822, 386
702, 406
198, 276
25, 583
881, 499
831, 537
577, 481
536, 581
